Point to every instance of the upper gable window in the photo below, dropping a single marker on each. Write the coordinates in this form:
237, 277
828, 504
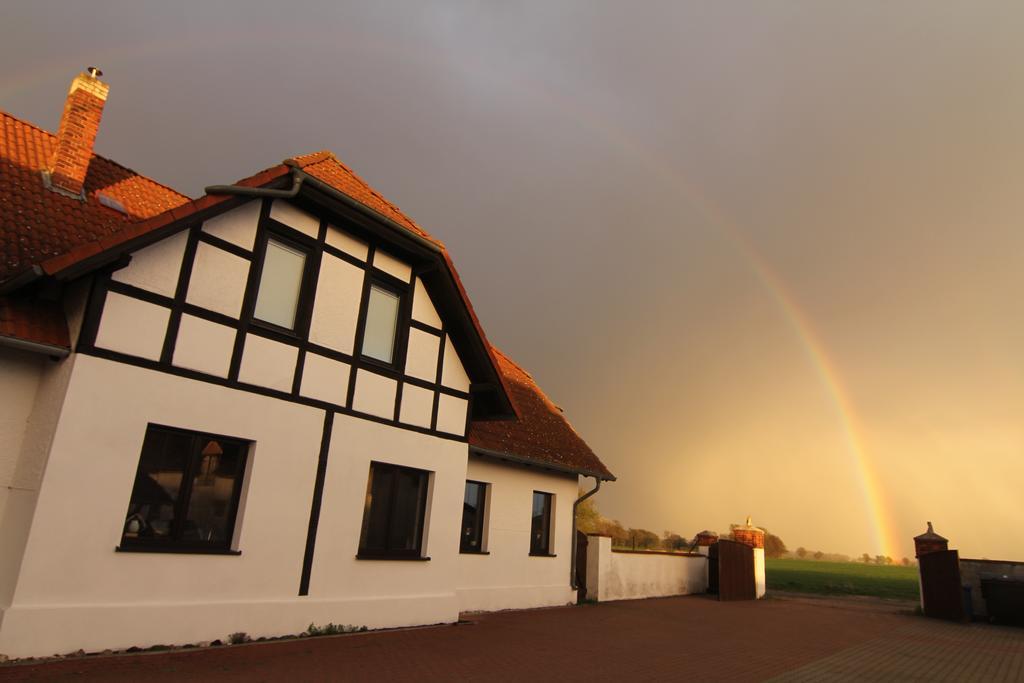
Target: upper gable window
277, 302
381, 331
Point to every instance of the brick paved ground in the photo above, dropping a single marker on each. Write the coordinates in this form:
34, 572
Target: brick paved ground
925, 650
691, 638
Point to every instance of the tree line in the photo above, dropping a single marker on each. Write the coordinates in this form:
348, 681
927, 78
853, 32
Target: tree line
590, 521
866, 558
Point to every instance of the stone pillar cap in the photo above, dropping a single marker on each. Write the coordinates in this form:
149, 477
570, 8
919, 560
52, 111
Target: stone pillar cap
930, 535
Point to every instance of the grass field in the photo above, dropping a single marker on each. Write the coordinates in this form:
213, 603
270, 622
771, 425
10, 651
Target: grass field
842, 578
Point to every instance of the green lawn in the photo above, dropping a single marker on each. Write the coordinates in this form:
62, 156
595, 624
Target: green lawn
842, 578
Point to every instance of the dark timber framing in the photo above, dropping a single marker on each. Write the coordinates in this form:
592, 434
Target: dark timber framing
314, 510
298, 337
490, 398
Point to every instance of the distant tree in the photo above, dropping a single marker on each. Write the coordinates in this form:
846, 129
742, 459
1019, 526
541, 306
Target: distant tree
818, 555
588, 519
801, 552
889, 560
773, 545
865, 558
642, 539
614, 528
673, 541
879, 559
905, 561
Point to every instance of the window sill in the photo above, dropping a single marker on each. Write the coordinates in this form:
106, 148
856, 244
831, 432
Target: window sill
474, 552
176, 550
264, 326
377, 364
542, 555
392, 558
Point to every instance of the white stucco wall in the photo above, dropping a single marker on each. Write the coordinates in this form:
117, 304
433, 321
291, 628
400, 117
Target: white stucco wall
385, 592
417, 406
392, 266
453, 374
34, 389
375, 394
421, 355
339, 239
423, 308
509, 577
760, 582
613, 575
451, 414
336, 308
132, 326
204, 346
218, 280
294, 217
156, 268
20, 373
237, 226
114, 599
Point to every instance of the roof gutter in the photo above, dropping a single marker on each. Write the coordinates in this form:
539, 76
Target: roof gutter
23, 278
520, 460
35, 347
356, 205
299, 178
244, 191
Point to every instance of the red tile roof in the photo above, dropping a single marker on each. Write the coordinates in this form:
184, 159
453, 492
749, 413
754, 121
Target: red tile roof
324, 166
26, 319
37, 223
39, 227
541, 434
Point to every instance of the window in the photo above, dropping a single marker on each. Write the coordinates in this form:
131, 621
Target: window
381, 329
540, 527
472, 539
186, 491
277, 301
396, 502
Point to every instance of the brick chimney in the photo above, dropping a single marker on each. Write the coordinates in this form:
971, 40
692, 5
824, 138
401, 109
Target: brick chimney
66, 169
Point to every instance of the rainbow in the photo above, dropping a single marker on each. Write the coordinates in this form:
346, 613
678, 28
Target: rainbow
884, 534
874, 499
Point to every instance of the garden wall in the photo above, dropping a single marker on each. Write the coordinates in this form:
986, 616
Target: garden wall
629, 575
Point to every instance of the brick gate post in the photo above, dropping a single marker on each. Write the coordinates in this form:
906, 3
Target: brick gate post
754, 537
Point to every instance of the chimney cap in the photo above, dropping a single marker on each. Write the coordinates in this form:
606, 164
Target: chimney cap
94, 71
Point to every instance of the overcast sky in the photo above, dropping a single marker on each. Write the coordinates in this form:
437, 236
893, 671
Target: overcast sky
766, 255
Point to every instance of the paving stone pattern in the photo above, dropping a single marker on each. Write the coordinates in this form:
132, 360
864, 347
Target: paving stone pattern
691, 638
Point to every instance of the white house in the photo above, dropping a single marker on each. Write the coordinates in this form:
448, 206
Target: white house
270, 406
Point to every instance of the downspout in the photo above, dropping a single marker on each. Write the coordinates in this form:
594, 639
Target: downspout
572, 555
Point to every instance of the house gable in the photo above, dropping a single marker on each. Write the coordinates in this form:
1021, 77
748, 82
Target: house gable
185, 303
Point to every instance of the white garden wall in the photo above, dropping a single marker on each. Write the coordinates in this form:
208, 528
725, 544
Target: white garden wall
628, 575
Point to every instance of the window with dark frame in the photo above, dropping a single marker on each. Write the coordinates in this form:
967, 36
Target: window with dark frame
540, 526
396, 504
186, 491
281, 285
472, 539
381, 327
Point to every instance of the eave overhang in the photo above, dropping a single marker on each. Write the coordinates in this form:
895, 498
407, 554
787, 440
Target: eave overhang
536, 463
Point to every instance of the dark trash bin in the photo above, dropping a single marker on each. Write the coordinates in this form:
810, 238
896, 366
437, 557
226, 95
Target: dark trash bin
1004, 599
